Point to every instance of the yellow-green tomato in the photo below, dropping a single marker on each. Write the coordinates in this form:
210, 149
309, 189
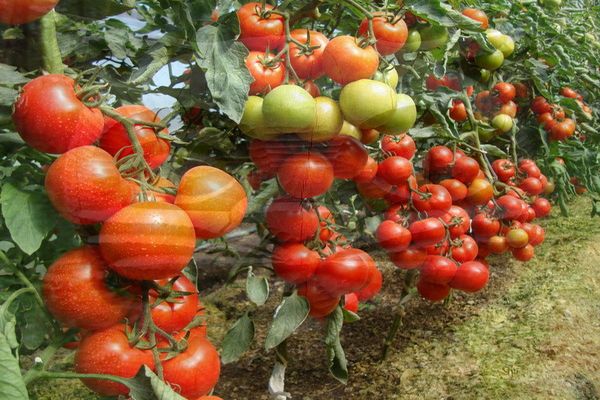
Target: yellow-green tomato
490, 61
289, 109
502, 122
328, 122
389, 77
253, 123
367, 103
433, 36
404, 116
500, 41
413, 42
350, 130
484, 76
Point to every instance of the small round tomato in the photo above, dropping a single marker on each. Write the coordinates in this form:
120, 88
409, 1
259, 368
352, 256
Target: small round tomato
433, 36
48, 114
294, 262
427, 232
413, 41
390, 32
346, 271
351, 302
259, 29
540, 106
77, 294
109, 352
174, 313
369, 136
465, 169
373, 285
530, 168
510, 109
532, 186
471, 277
457, 220
308, 64
347, 155
524, 253
464, 249
393, 237
432, 199
477, 15
306, 175
195, 371
479, 192
438, 269
568, 92
504, 169
536, 235
268, 73
438, 160
484, 227
432, 291
321, 302
542, 207
410, 258
148, 240
395, 170
563, 129
517, 238
458, 111
502, 122
85, 186
403, 145
289, 221
457, 189
345, 61
505, 92
373, 114
497, 244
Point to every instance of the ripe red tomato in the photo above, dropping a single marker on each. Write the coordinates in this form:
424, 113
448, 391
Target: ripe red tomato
540, 105
175, 313
109, 352
17, 12
504, 169
195, 371
505, 92
115, 139
532, 186
373, 285
306, 175
438, 269
563, 129
390, 32
346, 271
530, 168
308, 64
465, 169
438, 160
369, 171
268, 73
479, 192
289, 221
411, 258
497, 244
374, 189
259, 29
458, 221
524, 253
321, 302
542, 207
432, 291
477, 15
427, 232
351, 302
393, 237
48, 114
433, 199
326, 219
395, 170
85, 186
148, 241
347, 155
484, 227
536, 235
268, 155
510, 207
465, 249
294, 262
457, 189
568, 92
214, 200
471, 277
403, 145
345, 61
458, 111
77, 294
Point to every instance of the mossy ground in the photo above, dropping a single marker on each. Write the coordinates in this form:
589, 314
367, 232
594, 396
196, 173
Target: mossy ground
533, 334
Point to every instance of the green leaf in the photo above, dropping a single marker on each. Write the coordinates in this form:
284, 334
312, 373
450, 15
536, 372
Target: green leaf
9, 76
222, 58
440, 13
34, 323
29, 216
150, 64
258, 202
257, 288
11, 382
237, 340
338, 366
493, 151
94, 9
7, 96
289, 316
350, 317
147, 386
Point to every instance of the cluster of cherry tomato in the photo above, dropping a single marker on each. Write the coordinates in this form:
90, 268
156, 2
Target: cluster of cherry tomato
552, 117
147, 236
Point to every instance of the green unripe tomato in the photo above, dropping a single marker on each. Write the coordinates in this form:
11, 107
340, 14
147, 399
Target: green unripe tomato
413, 42
484, 76
404, 117
350, 130
502, 122
367, 103
433, 36
389, 77
289, 109
486, 134
502, 42
253, 123
328, 122
491, 61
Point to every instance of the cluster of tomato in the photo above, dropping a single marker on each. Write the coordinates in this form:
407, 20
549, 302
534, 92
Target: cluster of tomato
446, 221
552, 117
147, 237
498, 106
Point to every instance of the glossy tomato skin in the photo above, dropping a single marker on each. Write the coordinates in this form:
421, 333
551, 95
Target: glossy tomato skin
542, 207
214, 200
533, 186
395, 170
308, 65
373, 286
432, 291
85, 186
108, 352
17, 12
505, 92
524, 253
347, 155
294, 262
351, 302
465, 169
458, 111
267, 72
50, 118
148, 241
411, 258
321, 302
471, 276
479, 192
403, 145
433, 199
195, 371
438, 160
306, 175
484, 227
259, 33
510, 207
174, 315
346, 271
427, 232
504, 169
438, 269
76, 293
390, 37
369, 171
458, 221
289, 221
466, 251
477, 15
457, 189
393, 237
345, 61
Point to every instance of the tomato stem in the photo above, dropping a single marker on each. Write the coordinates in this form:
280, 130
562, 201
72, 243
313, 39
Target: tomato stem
51, 57
485, 163
406, 295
